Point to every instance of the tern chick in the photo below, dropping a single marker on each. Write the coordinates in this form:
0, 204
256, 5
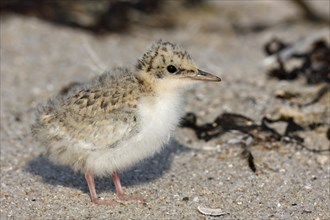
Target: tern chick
119, 118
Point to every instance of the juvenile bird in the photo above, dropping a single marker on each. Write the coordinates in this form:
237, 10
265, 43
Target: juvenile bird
119, 118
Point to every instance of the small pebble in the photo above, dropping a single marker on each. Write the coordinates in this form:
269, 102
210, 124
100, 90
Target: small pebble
322, 159
196, 199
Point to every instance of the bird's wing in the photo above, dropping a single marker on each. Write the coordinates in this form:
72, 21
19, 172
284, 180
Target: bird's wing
98, 119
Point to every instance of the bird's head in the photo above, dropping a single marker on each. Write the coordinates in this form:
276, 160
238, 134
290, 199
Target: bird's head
168, 64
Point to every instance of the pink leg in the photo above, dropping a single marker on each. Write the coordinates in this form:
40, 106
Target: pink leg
119, 190
91, 185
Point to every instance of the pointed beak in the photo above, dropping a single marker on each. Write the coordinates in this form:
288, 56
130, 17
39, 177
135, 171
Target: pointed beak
201, 75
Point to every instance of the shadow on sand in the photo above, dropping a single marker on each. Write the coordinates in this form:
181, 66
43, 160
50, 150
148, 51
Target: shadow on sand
150, 169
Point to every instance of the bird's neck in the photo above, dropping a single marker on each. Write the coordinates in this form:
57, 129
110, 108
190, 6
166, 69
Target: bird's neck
146, 79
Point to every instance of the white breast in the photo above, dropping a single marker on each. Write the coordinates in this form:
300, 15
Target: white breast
159, 117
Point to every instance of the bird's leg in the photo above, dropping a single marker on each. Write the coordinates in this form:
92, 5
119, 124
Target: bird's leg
119, 190
91, 185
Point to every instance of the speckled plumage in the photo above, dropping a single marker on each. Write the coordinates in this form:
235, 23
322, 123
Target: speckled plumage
119, 118
93, 117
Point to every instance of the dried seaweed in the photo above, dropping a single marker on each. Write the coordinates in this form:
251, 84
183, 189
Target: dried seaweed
219, 126
324, 90
314, 67
247, 154
97, 16
227, 122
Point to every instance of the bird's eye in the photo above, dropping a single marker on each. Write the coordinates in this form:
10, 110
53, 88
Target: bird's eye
171, 69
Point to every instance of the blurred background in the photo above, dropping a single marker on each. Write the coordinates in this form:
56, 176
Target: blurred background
104, 16
62, 42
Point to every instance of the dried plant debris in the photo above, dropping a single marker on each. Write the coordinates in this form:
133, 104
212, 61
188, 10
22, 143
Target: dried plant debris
219, 126
228, 122
308, 58
314, 65
97, 16
318, 96
247, 154
259, 133
101, 16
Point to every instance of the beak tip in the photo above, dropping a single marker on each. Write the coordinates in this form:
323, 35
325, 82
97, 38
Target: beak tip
207, 76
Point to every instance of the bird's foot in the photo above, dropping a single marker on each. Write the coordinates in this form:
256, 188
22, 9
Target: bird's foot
131, 197
100, 201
